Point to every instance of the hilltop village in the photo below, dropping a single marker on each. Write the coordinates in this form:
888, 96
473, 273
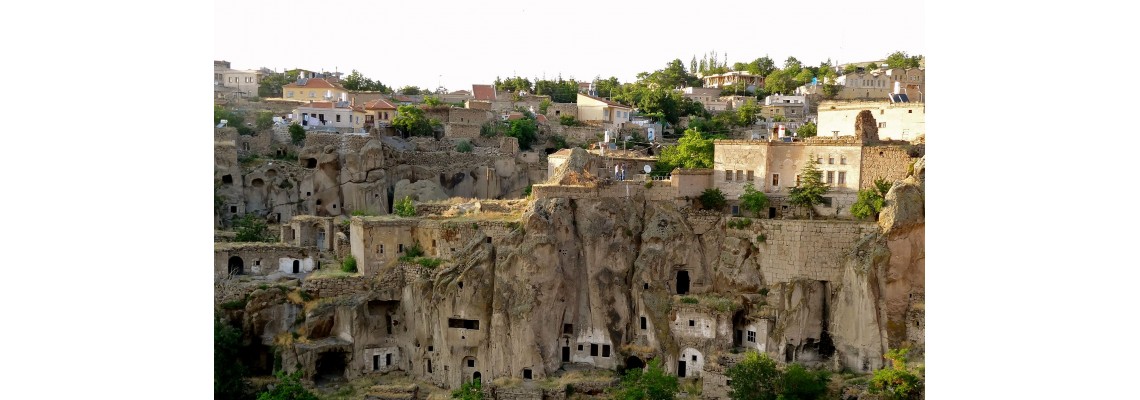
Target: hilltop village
545, 237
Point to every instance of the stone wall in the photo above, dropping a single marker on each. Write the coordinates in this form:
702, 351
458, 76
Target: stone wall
557, 110
339, 286
469, 116
889, 162
452, 130
581, 134
799, 249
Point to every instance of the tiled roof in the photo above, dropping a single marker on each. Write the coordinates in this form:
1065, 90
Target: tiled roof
319, 104
403, 99
483, 92
379, 104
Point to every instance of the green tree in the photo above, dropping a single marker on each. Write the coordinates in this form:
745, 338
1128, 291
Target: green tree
850, 69
871, 201
288, 387
405, 207
264, 120
411, 120
229, 373
348, 264
543, 106
607, 87
270, 85
693, 150
761, 66
232, 118
560, 91
432, 101
780, 81
746, 115
803, 78
754, 378
471, 390
410, 90
798, 382
712, 199
753, 200
900, 59
251, 229
525, 130
297, 134
810, 189
830, 90
806, 130
651, 384
897, 382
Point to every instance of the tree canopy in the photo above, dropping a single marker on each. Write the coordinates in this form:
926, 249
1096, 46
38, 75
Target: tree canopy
806, 130
358, 82
560, 91
897, 382
757, 377
252, 229
412, 120
651, 384
516, 84
412, 90
229, 373
693, 150
288, 387
753, 200
870, 201
900, 59
810, 189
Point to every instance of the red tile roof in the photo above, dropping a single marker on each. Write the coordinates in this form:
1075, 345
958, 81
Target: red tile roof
483, 92
403, 99
319, 104
314, 83
379, 104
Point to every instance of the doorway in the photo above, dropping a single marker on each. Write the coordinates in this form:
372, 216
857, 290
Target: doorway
771, 212
296, 266
680, 369
565, 354
236, 266
682, 282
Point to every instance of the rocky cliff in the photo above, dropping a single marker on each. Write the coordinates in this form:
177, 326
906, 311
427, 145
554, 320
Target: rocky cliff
613, 282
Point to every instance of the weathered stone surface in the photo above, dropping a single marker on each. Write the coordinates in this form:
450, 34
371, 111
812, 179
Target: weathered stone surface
420, 191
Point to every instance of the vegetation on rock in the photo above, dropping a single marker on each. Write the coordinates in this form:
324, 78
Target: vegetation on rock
252, 229
897, 382
229, 373
757, 377
712, 199
297, 134
652, 384
288, 387
405, 207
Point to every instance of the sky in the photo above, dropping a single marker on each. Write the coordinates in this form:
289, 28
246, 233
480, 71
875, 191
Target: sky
457, 44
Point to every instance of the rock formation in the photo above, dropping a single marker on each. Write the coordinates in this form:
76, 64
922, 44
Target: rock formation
866, 129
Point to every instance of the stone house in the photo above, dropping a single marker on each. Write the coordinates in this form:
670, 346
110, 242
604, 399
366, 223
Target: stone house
261, 259
896, 121
592, 108
378, 112
314, 89
324, 113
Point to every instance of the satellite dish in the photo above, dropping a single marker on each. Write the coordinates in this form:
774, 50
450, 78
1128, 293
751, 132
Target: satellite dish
646, 169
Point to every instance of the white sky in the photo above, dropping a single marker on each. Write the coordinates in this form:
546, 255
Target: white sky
416, 42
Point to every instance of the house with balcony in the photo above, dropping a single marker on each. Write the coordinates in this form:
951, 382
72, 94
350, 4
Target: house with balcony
315, 89
591, 108
330, 116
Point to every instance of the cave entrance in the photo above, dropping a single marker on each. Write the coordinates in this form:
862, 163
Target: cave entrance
738, 324
330, 367
682, 282
258, 359
476, 376
771, 212
296, 266
680, 369
236, 266
634, 363
310, 163
565, 354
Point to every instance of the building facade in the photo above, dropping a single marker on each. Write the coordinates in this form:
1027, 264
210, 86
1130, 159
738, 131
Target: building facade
592, 108
896, 121
314, 89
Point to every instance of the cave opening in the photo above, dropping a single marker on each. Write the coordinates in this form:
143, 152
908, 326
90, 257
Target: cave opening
236, 266
330, 367
633, 362
682, 282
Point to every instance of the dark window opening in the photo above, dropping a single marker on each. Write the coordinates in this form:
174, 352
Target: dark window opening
318, 202
634, 363
429, 366
310, 163
461, 284
593, 349
605, 350
526, 373
463, 323
236, 265
330, 366
565, 353
471, 363
568, 328
642, 322
233, 209
296, 266
375, 362
680, 369
227, 179
387, 359
694, 358
430, 347
488, 239
692, 323
579, 347
646, 286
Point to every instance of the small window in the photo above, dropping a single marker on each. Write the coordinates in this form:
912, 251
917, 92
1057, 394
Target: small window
381, 248
739, 175
827, 202
750, 177
735, 210
568, 329
831, 159
830, 177
692, 323
605, 350
643, 323
579, 347
775, 180
593, 350
400, 248
471, 363
842, 160
694, 357
752, 336
819, 160
842, 177
882, 124
431, 348
727, 176
526, 373
233, 209
910, 111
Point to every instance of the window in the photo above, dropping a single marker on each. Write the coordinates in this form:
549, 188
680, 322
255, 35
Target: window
775, 180
472, 324
842, 177
312, 94
735, 210
289, 94
400, 249
910, 111
694, 357
842, 160
642, 323
527, 374
605, 350
830, 177
568, 329
593, 350
797, 179
381, 249
882, 124
831, 159
750, 178
727, 176
827, 202
471, 363
819, 160
692, 322
752, 336
579, 347
338, 118
739, 175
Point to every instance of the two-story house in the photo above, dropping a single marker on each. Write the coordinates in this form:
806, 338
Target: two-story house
314, 89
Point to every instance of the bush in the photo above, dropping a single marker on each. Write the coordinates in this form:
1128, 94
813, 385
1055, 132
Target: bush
297, 134
690, 300
528, 190
414, 250
288, 387
472, 390
228, 370
897, 382
559, 142
245, 130
405, 208
753, 200
740, 223
264, 120
761, 238
524, 130
569, 120
491, 129
251, 229
428, 262
348, 264
234, 305
649, 184
464, 147
652, 384
712, 199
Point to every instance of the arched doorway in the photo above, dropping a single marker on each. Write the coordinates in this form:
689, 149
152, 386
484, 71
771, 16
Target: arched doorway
634, 363
236, 266
476, 376
296, 266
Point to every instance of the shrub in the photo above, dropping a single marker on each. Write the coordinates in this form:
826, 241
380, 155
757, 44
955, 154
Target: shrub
228, 370
234, 305
414, 250
348, 264
251, 229
764, 291
285, 184
245, 130
559, 142
428, 262
753, 200
897, 382
264, 120
297, 134
648, 184
490, 129
405, 207
761, 238
527, 191
569, 120
288, 387
712, 199
690, 300
472, 390
464, 147
651, 384
543, 106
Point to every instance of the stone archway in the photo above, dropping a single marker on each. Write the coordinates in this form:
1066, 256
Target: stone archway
476, 376
633, 362
236, 266
296, 266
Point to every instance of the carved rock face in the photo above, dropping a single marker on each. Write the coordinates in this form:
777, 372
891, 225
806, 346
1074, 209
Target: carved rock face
866, 129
